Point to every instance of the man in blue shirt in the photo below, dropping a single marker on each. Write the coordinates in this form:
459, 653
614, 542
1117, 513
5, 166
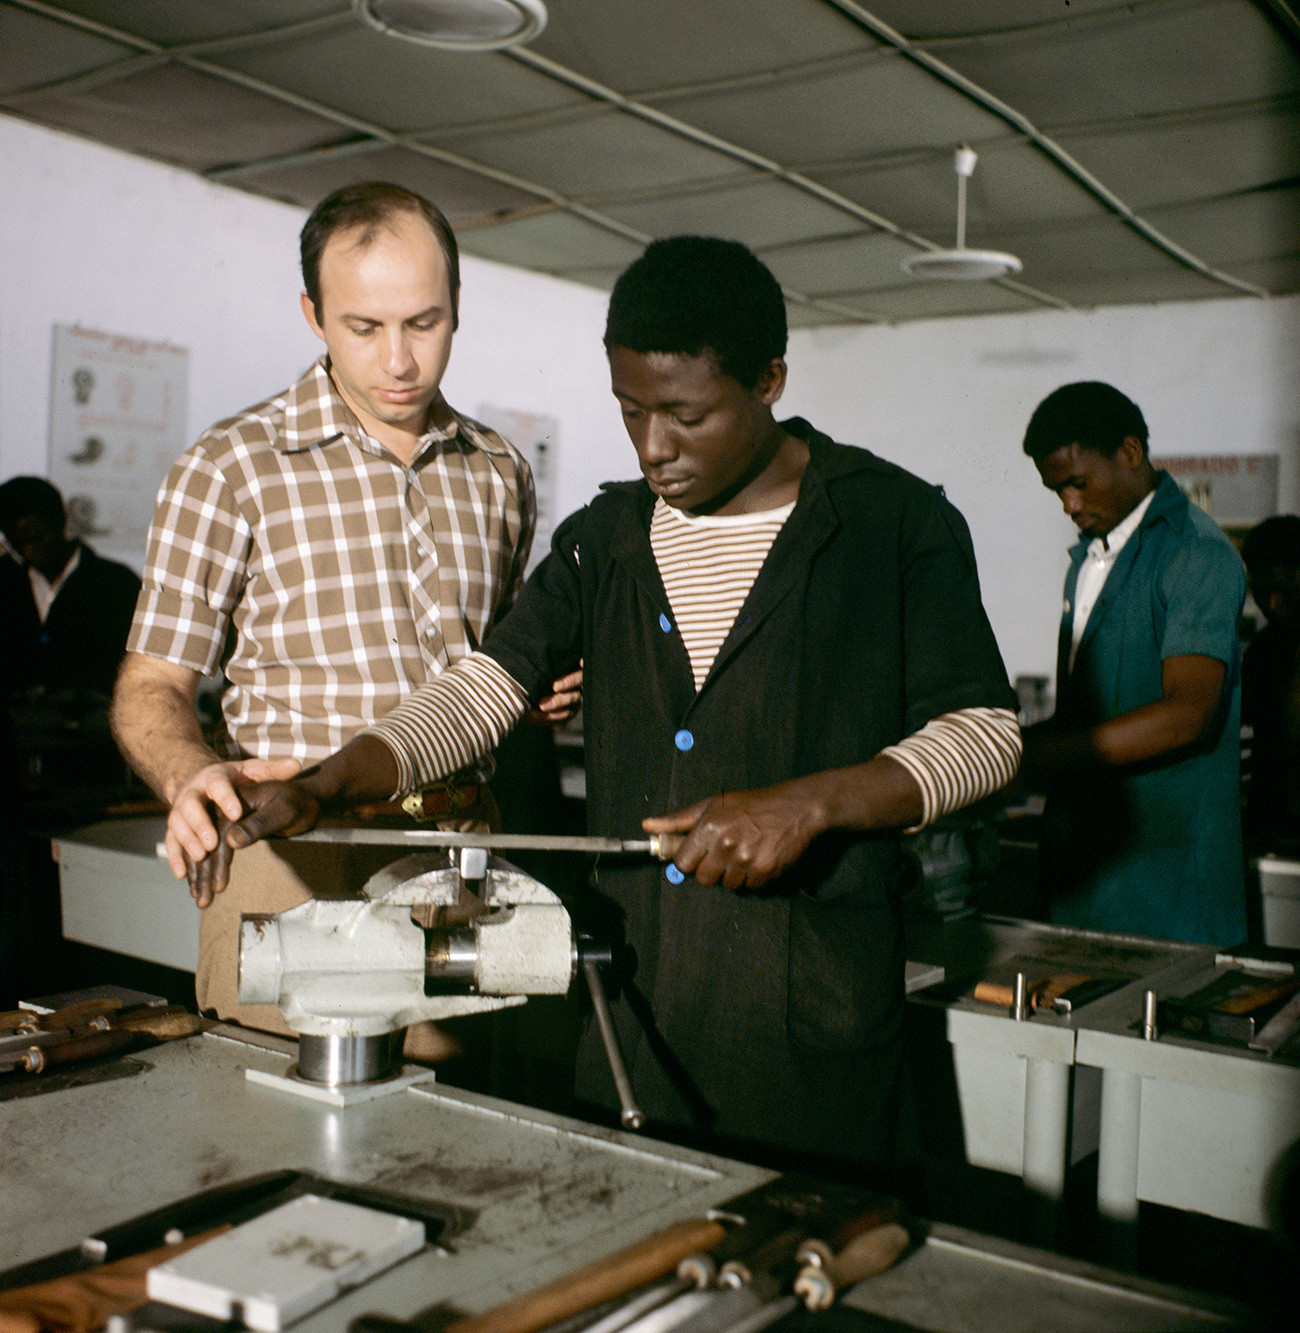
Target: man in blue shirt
1141, 761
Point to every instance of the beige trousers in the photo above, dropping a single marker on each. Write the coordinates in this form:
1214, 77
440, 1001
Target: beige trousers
274, 876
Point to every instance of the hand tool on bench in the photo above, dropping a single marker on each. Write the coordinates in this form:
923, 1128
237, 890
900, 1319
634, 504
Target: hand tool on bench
1044, 993
32, 1042
866, 1247
744, 1284
616, 1275
755, 1223
826, 1273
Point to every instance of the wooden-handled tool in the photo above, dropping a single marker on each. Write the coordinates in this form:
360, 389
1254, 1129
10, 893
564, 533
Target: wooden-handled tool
608, 1278
160, 1022
670, 1303
34, 1042
825, 1273
82, 1046
877, 1242
1041, 993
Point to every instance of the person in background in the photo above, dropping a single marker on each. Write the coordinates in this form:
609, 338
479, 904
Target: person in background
787, 661
1270, 688
330, 550
66, 610
66, 613
1141, 830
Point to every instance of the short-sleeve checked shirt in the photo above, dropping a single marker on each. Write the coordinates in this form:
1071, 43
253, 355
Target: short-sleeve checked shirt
341, 578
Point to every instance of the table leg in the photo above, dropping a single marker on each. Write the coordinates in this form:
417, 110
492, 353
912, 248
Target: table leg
1047, 1122
1117, 1166
1117, 1158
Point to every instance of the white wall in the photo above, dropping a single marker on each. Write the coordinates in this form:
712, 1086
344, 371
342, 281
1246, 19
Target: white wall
121, 245
112, 242
950, 400
115, 243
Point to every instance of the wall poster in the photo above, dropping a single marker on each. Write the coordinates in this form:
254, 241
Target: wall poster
1236, 490
536, 437
117, 423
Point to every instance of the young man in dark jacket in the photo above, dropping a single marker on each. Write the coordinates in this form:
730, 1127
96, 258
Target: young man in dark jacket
786, 659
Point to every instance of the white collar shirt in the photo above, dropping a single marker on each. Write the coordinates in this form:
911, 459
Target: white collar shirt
44, 590
1098, 561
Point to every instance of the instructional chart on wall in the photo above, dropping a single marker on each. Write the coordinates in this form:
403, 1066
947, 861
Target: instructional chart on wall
117, 423
536, 436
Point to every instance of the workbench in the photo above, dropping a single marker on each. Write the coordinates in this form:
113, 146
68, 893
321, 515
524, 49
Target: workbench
1193, 1125
117, 862
1190, 1124
541, 1195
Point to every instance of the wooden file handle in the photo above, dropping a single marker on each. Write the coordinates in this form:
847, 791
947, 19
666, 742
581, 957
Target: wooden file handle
867, 1254
607, 1278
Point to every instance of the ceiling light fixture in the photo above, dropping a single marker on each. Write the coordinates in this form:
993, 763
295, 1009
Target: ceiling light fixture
456, 25
961, 264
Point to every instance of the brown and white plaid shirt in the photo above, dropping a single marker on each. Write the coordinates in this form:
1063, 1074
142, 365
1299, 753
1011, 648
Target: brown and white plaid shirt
347, 578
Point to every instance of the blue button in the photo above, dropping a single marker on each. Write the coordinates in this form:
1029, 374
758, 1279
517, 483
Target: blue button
674, 875
664, 623
683, 740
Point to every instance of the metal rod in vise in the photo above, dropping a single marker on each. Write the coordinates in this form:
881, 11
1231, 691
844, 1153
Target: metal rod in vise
662, 846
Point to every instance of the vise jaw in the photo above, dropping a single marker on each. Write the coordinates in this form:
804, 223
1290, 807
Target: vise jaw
418, 943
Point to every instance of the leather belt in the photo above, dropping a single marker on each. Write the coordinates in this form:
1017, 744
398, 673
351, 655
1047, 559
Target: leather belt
434, 802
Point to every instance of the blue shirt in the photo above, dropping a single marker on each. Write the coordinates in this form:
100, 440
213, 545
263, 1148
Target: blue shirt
1152, 849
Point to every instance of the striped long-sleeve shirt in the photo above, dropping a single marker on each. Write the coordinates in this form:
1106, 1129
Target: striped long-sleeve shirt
708, 565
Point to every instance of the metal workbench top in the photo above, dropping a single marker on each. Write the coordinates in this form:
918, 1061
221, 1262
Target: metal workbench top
546, 1194
542, 1195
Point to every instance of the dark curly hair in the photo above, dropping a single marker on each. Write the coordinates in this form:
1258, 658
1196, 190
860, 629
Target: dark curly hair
1090, 414
31, 497
687, 295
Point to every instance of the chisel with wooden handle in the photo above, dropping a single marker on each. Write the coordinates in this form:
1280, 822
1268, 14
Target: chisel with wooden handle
744, 1285
1041, 993
756, 1236
876, 1242
65, 1049
81, 1033
616, 1275
870, 1252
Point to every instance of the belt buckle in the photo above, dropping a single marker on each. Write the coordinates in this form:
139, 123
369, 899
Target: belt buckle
414, 806
457, 797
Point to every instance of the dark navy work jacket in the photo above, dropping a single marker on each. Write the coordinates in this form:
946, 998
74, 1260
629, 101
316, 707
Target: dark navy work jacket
863, 624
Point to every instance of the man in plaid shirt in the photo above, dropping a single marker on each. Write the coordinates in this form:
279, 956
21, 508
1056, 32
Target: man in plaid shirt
330, 549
